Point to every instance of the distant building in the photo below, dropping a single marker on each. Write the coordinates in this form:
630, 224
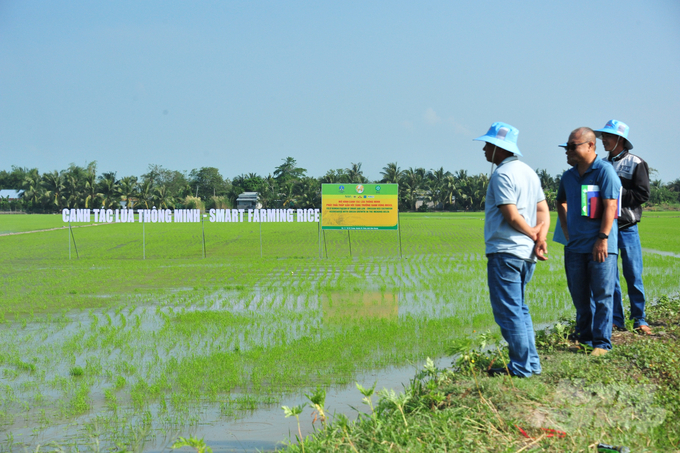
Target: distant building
10, 195
248, 200
422, 199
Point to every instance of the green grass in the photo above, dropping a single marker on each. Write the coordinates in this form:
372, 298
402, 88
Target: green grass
144, 345
16, 223
657, 230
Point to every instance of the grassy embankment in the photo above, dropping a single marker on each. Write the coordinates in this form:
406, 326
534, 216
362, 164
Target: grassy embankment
630, 397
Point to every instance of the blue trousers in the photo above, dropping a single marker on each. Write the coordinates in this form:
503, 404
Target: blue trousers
631, 261
587, 278
508, 277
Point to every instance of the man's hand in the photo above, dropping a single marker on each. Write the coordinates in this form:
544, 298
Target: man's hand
600, 248
600, 251
541, 250
534, 231
515, 220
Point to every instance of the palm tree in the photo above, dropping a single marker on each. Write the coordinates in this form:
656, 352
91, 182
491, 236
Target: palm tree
547, 181
354, 173
412, 181
75, 178
391, 173
674, 185
309, 193
335, 177
435, 179
161, 198
109, 190
268, 192
53, 183
461, 192
477, 191
33, 190
289, 170
449, 189
145, 194
90, 190
72, 192
287, 194
128, 190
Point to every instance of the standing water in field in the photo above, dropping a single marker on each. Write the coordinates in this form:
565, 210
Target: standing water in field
130, 352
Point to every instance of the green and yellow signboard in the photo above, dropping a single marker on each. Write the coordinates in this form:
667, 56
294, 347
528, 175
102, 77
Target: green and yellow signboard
359, 206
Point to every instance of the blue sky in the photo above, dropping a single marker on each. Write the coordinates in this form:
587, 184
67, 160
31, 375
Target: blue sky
241, 85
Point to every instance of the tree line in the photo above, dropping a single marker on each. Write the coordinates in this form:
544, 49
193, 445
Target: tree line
288, 186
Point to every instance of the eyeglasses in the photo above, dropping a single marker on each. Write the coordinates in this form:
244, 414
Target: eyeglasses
573, 146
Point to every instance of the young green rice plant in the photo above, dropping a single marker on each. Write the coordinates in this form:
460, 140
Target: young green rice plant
111, 399
76, 371
120, 382
138, 351
80, 402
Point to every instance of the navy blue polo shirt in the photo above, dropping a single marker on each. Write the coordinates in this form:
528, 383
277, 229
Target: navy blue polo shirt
583, 231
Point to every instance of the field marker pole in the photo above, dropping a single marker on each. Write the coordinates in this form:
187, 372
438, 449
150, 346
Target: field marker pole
318, 236
260, 218
74, 242
69, 240
349, 237
399, 233
143, 236
203, 231
324, 243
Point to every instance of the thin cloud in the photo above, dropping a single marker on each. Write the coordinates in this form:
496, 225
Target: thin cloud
458, 128
431, 116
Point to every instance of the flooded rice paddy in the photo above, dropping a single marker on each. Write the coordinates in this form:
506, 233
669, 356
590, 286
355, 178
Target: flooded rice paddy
106, 352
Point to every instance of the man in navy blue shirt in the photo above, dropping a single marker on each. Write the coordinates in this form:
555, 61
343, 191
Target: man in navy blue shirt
591, 252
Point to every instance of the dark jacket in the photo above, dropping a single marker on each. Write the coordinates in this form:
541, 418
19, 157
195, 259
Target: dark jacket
634, 175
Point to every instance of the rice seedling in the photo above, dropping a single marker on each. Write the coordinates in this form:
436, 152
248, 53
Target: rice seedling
153, 344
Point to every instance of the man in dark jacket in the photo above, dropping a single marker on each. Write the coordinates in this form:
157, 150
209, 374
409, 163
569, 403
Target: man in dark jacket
634, 175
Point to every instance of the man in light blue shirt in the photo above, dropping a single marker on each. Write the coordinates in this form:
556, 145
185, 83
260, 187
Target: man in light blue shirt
516, 224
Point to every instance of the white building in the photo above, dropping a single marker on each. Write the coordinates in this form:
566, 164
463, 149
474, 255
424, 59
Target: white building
248, 200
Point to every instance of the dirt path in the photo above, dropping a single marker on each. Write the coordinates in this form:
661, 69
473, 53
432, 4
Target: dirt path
52, 229
661, 252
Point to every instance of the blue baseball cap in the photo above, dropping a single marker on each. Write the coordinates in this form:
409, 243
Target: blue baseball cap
502, 135
616, 127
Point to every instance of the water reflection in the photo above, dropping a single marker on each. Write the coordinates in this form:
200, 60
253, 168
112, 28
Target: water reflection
343, 308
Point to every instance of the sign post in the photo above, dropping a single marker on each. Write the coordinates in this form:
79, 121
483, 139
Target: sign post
360, 207
74, 242
399, 231
143, 237
203, 233
260, 221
